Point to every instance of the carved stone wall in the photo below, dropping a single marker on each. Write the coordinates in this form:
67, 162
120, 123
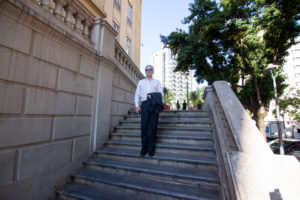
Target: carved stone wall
56, 93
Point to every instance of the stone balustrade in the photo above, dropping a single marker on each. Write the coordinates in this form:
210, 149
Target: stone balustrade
248, 168
126, 63
71, 14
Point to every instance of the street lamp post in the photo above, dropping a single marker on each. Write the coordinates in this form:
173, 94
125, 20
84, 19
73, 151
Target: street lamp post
270, 68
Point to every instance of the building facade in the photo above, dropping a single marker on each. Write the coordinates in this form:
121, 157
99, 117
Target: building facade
65, 82
125, 17
292, 71
177, 82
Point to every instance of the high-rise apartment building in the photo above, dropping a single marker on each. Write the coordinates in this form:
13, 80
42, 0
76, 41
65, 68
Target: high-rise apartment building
125, 17
292, 66
292, 70
177, 82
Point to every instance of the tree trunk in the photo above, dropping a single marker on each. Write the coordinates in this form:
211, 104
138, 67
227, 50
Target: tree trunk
259, 118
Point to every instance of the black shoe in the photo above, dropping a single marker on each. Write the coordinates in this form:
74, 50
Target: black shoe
143, 152
151, 153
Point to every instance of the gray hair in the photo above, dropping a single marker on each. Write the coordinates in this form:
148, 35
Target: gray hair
149, 66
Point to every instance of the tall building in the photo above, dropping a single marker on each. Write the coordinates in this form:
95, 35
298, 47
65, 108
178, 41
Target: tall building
164, 63
292, 66
125, 17
292, 70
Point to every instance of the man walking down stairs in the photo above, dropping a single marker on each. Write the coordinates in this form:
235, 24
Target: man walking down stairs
184, 166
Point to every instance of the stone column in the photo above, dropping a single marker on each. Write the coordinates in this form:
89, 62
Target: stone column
95, 33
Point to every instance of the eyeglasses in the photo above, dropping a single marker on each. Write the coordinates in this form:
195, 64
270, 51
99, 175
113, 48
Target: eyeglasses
148, 70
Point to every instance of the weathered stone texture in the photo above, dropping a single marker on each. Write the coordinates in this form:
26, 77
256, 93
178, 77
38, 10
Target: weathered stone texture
45, 158
87, 67
65, 127
84, 105
84, 85
48, 102
114, 108
11, 99
118, 94
20, 130
7, 163
49, 50
5, 56
125, 85
14, 35
129, 98
25, 69
82, 147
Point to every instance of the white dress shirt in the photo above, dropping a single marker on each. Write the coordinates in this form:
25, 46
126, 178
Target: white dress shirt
144, 87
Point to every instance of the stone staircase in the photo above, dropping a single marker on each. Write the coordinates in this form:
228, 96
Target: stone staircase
184, 165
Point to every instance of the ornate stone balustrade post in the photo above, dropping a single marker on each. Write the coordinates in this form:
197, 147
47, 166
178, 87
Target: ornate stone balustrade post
126, 64
71, 14
59, 8
46, 4
78, 22
86, 28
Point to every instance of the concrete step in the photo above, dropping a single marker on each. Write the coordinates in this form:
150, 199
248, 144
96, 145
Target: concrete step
181, 123
193, 118
166, 129
181, 113
205, 151
142, 188
167, 138
138, 168
161, 158
76, 191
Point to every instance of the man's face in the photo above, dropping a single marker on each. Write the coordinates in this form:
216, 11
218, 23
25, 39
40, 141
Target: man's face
149, 71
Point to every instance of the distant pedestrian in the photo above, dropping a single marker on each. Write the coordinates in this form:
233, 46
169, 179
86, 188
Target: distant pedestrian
184, 105
178, 105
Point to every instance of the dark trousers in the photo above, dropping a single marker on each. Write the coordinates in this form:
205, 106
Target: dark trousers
148, 127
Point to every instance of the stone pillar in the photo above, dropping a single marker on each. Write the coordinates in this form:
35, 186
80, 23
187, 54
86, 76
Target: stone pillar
95, 34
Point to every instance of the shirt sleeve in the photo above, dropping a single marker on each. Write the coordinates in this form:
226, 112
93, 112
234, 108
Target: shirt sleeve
137, 94
160, 89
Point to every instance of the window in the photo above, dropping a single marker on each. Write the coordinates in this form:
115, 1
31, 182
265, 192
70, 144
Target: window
116, 27
117, 4
128, 44
129, 14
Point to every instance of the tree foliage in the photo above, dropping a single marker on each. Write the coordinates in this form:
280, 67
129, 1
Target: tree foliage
235, 41
168, 97
290, 105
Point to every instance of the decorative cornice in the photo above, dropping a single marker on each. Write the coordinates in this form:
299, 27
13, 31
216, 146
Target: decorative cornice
31, 16
101, 13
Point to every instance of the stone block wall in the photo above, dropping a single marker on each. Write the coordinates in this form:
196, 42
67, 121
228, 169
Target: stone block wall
122, 99
60, 94
47, 86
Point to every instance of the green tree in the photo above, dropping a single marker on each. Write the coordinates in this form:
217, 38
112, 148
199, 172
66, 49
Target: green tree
168, 96
195, 96
290, 105
235, 41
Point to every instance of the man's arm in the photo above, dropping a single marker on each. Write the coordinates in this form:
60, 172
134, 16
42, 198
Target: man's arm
137, 98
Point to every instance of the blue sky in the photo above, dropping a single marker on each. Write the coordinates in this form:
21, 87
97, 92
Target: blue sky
160, 17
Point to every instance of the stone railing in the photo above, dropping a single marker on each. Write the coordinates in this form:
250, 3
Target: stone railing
248, 168
70, 13
126, 64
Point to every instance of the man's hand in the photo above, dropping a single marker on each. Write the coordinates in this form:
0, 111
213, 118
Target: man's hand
137, 110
